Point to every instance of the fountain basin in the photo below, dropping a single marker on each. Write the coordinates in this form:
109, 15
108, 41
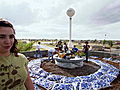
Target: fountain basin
69, 63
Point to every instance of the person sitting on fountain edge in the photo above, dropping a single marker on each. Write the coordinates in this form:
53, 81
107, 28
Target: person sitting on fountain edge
74, 49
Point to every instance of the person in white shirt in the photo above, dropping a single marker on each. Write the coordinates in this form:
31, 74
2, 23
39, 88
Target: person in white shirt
38, 51
51, 52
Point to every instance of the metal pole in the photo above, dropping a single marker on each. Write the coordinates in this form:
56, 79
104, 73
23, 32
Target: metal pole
70, 30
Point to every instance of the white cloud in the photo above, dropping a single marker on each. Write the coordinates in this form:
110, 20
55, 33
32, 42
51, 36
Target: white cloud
47, 18
19, 14
108, 14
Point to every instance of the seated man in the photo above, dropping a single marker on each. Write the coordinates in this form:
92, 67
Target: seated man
74, 49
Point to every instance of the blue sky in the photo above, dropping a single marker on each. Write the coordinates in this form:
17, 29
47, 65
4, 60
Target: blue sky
47, 19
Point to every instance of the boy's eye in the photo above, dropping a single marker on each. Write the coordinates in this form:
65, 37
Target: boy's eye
11, 36
2, 36
5, 36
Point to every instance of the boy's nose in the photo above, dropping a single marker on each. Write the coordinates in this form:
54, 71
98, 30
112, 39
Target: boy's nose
7, 40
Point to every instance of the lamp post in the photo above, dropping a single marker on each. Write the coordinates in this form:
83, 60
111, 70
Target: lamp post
70, 12
105, 36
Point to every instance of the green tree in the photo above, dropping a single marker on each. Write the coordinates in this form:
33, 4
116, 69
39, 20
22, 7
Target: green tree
23, 46
104, 42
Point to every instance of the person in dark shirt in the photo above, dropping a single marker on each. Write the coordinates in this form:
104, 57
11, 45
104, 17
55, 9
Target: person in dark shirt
86, 50
65, 47
60, 46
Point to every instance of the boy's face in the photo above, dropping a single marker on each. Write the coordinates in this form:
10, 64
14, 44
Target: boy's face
6, 39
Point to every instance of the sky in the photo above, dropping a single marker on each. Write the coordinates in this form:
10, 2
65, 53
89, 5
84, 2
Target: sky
47, 19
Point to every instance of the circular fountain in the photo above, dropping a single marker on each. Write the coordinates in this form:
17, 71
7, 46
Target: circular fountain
69, 63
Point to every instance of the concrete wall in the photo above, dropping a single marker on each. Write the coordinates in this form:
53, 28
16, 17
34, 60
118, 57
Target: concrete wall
92, 53
32, 53
102, 54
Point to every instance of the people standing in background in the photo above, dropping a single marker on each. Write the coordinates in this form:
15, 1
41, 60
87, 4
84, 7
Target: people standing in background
14, 74
65, 47
60, 46
86, 50
38, 50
